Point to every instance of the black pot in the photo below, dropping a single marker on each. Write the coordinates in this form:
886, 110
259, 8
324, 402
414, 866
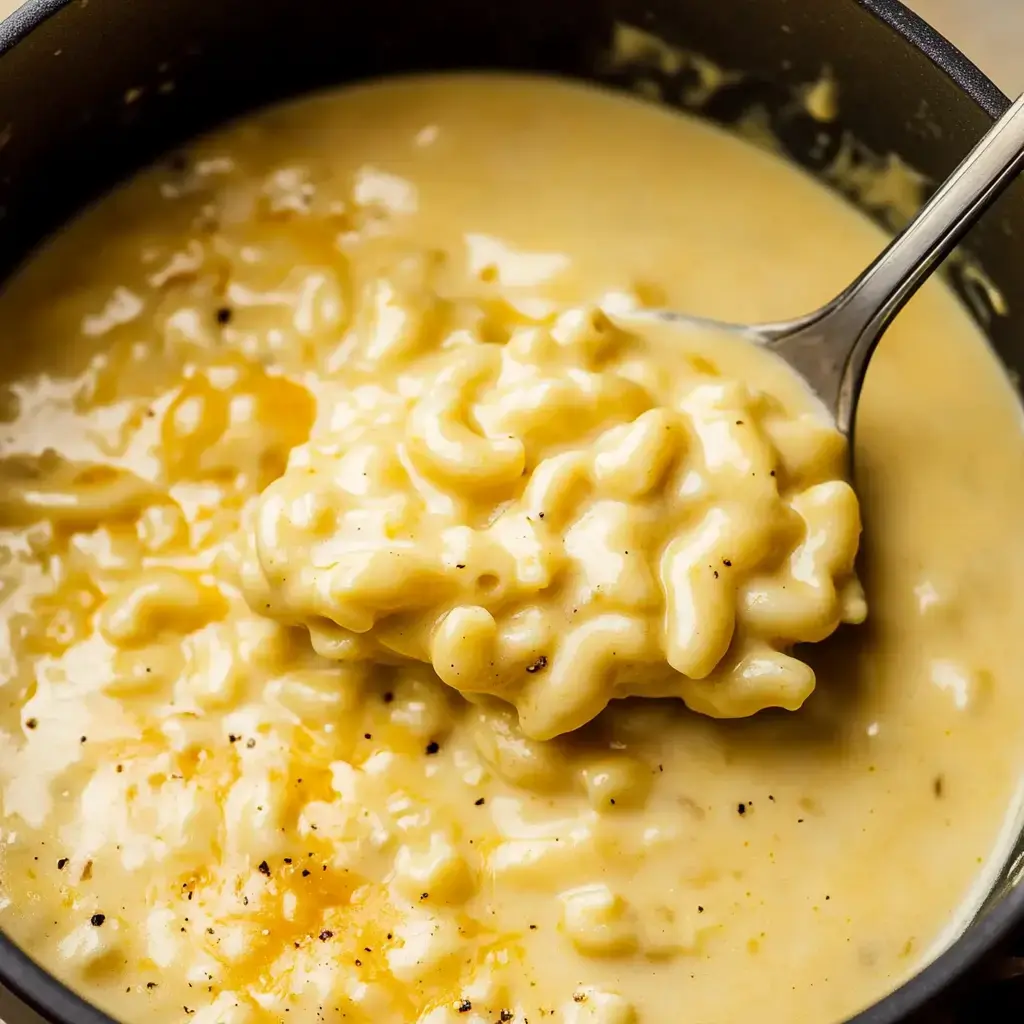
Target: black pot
91, 89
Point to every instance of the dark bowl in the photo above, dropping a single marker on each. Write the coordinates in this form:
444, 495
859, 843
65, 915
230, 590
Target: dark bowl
91, 89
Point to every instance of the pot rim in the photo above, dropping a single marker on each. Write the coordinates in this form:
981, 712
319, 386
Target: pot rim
59, 1004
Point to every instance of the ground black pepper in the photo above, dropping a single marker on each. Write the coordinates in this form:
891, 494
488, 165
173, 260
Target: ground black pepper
62, 863
325, 935
433, 747
465, 1006
540, 663
264, 868
223, 315
97, 919
479, 802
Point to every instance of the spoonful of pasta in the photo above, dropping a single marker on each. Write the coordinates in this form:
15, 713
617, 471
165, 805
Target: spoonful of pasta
832, 347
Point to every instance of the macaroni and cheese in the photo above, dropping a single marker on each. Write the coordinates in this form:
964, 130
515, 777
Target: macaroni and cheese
559, 510
379, 333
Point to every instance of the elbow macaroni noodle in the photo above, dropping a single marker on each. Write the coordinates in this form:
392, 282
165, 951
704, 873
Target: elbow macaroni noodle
584, 509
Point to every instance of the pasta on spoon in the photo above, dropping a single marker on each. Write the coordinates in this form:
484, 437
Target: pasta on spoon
557, 511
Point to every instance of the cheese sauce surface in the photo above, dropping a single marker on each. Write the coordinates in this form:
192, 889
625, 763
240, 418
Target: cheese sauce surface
207, 817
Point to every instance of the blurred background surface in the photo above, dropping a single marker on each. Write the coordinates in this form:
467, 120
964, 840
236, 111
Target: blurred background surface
990, 32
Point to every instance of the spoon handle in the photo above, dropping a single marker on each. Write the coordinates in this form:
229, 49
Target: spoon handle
861, 313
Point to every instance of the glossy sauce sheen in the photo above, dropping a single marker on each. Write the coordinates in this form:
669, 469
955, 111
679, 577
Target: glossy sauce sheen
205, 820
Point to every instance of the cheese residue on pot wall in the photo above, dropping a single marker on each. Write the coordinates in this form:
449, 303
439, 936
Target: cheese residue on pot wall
881, 183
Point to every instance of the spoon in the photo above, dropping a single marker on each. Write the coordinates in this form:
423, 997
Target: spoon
831, 347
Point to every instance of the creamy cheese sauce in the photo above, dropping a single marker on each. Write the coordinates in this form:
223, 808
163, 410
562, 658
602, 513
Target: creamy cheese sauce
206, 819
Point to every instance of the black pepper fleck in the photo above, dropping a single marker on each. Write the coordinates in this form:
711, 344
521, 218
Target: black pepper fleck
97, 919
726, 562
465, 1006
742, 808
939, 786
250, 743
264, 868
31, 723
223, 315
388, 697
540, 663
305, 872
62, 863
505, 1016
325, 935
479, 802
433, 747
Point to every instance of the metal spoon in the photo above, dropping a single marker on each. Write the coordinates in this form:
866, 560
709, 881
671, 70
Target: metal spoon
831, 347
